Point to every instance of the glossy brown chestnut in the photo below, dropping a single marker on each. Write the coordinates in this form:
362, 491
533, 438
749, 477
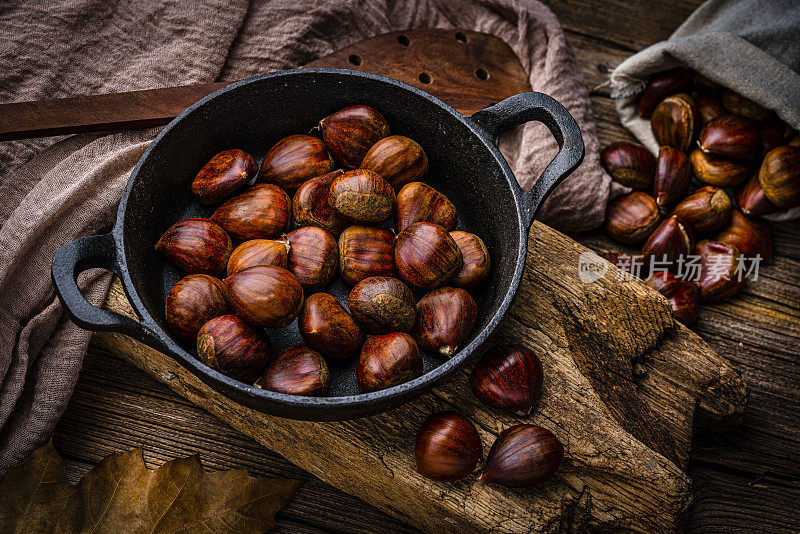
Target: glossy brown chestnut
351, 131
445, 319
752, 200
383, 304
509, 378
327, 327
751, 237
731, 136
779, 176
366, 251
426, 256
198, 246
744, 107
297, 370
193, 301
673, 176
718, 277
659, 279
293, 160
720, 172
706, 210
313, 257
223, 175
258, 252
362, 196
228, 344
399, 160
265, 295
418, 202
629, 164
673, 122
708, 109
447, 447
683, 296
261, 212
311, 207
475, 260
631, 218
523, 456
388, 360
673, 239
660, 87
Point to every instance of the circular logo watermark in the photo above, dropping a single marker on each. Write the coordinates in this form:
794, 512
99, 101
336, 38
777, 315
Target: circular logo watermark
591, 267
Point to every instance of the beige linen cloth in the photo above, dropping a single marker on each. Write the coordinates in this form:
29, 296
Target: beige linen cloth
55, 190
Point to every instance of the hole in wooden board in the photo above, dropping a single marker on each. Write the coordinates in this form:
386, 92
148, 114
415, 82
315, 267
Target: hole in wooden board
461, 37
356, 60
424, 77
482, 74
403, 40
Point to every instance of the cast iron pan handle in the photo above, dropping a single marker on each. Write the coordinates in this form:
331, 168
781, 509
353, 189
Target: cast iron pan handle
78, 256
532, 106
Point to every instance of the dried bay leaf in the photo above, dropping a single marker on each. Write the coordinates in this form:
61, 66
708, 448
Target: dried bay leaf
121, 495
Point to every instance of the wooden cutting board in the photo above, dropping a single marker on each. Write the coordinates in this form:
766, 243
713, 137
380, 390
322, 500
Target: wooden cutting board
625, 386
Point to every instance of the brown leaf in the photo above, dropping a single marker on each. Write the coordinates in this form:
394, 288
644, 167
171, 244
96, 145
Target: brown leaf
121, 495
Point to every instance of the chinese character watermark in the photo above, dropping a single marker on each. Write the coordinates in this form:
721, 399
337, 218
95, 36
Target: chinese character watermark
693, 268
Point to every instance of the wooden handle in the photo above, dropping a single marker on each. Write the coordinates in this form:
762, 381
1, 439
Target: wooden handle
468, 70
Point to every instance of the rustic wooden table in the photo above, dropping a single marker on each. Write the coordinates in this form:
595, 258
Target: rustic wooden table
746, 480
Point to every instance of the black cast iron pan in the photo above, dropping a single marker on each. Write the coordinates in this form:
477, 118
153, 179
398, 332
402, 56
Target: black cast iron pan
252, 115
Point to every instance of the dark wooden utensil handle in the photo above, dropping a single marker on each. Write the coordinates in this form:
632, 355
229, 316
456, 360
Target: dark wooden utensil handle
468, 70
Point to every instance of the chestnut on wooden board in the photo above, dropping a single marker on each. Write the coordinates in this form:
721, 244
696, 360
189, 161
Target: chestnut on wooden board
447, 447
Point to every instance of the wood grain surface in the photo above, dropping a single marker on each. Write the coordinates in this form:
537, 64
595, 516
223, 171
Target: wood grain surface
747, 480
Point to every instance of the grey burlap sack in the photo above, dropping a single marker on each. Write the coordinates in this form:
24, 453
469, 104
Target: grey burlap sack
749, 46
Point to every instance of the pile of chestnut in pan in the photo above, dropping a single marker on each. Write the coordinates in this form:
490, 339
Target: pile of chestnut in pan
700, 245
272, 275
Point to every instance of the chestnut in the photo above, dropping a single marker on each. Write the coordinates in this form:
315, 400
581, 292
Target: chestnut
731, 136
327, 327
229, 345
673, 176
659, 279
293, 160
388, 360
779, 176
260, 212
718, 277
366, 251
447, 447
297, 370
631, 218
223, 175
362, 196
706, 210
475, 260
445, 319
708, 109
673, 122
750, 236
313, 257
661, 86
418, 202
752, 200
265, 295
311, 207
629, 164
683, 296
744, 107
193, 301
426, 256
720, 172
383, 304
258, 252
671, 241
509, 378
351, 131
523, 456
198, 246
399, 160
